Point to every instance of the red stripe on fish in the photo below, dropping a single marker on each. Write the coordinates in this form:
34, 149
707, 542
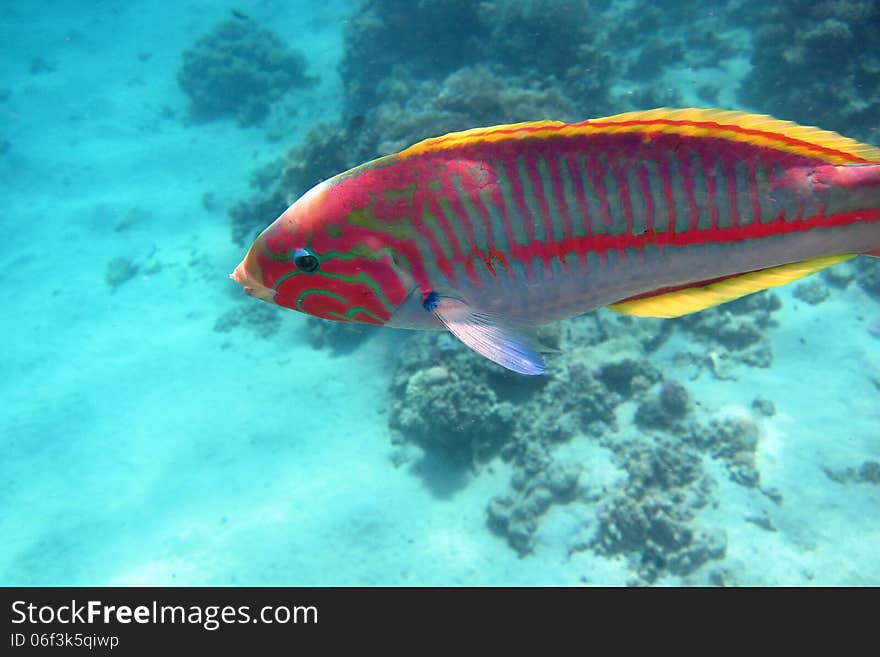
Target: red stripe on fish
753, 192
708, 167
648, 197
497, 203
728, 166
578, 187
604, 243
687, 180
621, 176
555, 165
597, 179
518, 251
666, 181
536, 180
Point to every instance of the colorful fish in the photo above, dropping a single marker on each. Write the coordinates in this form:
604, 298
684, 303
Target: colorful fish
492, 232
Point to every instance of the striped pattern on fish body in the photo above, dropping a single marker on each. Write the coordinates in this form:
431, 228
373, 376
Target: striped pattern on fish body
491, 230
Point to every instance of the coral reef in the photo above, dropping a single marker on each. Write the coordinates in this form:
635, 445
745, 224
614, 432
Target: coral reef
867, 473
812, 292
430, 40
119, 271
534, 490
734, 441
326, 150
867, 273
260, 318
650, 516
551, 41
840, 276
736, 325
264, 321
339, 337
451, 402
392, 38
735, 332
249, 217
534, 45
666, 410
797, 39
468, 396
453, 412
628, 376
763, 406
654, 56
238, 70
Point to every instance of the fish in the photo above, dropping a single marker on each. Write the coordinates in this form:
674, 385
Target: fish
492, 232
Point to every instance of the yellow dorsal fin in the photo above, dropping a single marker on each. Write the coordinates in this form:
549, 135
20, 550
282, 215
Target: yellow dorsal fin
693, 299
787, 130
758, 129
503, 132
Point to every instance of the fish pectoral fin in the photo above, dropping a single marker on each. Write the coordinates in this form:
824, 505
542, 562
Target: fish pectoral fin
511, 346
702, 295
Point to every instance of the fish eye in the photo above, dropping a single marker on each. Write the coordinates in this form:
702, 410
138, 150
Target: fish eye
306, 261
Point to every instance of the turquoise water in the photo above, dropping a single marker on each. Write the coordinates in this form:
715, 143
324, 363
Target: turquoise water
159, 428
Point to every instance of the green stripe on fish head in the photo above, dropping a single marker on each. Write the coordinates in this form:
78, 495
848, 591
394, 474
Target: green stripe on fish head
320, 258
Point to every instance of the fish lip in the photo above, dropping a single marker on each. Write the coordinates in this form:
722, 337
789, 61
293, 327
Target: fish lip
240, 275
252, 287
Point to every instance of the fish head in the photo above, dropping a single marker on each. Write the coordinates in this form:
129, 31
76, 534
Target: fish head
319, 259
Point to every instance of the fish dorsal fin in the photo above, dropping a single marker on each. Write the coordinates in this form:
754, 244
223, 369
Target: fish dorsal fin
489, 134
758, 129
700, 296
754, 128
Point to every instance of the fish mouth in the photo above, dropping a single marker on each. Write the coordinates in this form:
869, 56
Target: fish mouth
252, 285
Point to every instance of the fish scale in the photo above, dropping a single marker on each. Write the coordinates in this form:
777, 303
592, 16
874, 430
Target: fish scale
492, 231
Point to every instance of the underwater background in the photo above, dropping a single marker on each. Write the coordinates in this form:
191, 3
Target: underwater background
159, 427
